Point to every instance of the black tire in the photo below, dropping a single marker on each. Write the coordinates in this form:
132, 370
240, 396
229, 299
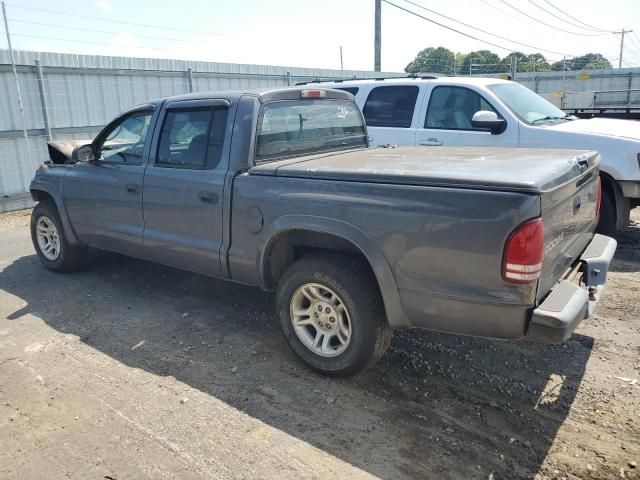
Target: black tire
354, 284
70, 257
607, 225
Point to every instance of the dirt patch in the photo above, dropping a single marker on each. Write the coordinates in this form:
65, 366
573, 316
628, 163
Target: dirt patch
15, 219
134, 370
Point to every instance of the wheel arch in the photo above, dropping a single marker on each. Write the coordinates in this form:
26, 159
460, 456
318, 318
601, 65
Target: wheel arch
43, 191
611, 186
278, 252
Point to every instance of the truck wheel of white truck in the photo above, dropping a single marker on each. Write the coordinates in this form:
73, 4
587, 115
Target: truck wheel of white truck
332, 315
607, 225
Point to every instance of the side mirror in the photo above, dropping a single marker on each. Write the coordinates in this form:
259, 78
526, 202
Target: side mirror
489, 121
83, 153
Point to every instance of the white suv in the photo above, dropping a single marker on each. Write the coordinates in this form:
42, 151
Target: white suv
472, 111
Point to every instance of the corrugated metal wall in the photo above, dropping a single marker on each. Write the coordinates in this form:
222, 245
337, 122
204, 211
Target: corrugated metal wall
589, 88
84, 92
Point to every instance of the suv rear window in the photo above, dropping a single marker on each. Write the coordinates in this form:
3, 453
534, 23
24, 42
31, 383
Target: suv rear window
391, 106
300, 127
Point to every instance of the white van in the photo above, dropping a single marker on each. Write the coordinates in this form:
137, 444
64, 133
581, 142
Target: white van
472, 111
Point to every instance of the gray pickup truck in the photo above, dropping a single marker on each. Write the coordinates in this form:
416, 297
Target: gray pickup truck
278, 189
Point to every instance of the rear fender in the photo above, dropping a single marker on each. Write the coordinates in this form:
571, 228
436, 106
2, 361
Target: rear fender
378, 262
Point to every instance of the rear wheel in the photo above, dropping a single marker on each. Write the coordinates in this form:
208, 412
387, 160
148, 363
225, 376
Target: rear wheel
332, 315
50, 242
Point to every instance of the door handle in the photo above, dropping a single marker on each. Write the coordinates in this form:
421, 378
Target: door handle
208, 197
432, 142
132, 188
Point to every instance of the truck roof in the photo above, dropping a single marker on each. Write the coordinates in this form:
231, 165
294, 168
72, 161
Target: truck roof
410, 80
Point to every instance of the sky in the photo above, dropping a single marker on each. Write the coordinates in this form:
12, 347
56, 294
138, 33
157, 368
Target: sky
309, 33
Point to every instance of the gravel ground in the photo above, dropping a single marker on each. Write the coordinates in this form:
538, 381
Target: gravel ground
130, 370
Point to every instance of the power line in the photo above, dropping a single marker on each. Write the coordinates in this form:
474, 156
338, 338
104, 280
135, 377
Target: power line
93, 30
574, 18
41, 37
493, 7
633, 37
123, 22
549, 25
561, 19
484, 31
447, 27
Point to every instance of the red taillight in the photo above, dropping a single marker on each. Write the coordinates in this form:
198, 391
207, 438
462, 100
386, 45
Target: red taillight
599, 197
313, 93
524, 252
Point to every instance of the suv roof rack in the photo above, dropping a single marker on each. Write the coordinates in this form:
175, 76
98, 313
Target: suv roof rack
377, 79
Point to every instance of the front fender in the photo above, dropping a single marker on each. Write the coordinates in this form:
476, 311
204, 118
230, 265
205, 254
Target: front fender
379, 264
54, 192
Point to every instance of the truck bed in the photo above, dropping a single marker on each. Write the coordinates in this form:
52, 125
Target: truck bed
501, 169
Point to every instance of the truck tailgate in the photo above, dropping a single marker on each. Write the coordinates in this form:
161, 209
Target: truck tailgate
569, 215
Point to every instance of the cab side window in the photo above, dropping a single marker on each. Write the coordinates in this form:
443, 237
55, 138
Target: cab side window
452, 108
192, 138
391, 106
124, 143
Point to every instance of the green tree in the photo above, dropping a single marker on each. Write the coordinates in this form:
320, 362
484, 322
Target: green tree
435, 60
460, 61
590, 61
482, 61
527, 63
535, 63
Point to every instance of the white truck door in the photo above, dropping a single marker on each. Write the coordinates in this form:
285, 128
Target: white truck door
446, 120
391, 114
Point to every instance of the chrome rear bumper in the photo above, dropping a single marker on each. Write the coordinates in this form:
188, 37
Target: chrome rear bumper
571, 302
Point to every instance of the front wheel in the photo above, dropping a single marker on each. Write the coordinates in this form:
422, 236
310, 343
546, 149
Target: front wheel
50, 242
332, 315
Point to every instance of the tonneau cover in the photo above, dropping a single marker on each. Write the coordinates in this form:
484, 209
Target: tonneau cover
510, 169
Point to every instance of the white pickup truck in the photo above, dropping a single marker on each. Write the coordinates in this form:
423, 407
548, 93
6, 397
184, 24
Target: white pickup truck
464, 111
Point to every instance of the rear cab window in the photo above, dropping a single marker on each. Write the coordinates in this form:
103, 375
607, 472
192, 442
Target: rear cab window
302, 127
391, 106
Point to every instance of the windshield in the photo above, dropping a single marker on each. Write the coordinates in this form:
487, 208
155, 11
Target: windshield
300, 127
527, 105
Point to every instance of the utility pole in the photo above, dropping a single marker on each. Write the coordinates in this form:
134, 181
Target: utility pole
622, 33
15, 76
341, 64
377, 36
